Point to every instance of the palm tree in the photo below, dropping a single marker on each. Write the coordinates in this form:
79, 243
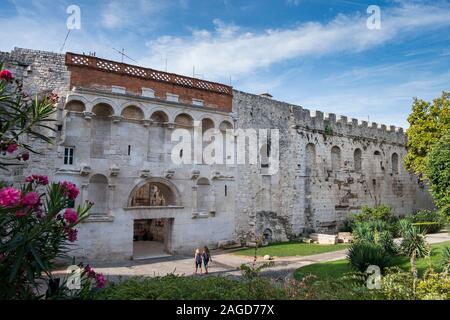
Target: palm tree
413, 244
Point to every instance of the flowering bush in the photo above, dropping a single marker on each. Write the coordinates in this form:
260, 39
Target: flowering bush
21, 115
35, 225
36, 221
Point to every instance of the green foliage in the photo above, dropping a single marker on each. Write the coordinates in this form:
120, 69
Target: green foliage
21, 115
380, 213
363, 254
428, 123
351, 286
438, 173
446, 259
427, 221
172, 287
397, 284
376, 232
413, 244
31, 238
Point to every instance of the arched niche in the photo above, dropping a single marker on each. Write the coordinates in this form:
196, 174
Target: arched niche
75, 105
132, 113
155, 192
335, 158
357, 159
184, 120
103, 110
159, 117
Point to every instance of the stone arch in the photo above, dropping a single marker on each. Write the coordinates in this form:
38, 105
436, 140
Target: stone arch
159, 117
207, 123
103, 110
154, 192
203, 195
357, 159
394, 162
225, 125
184, 120
132, 112
106, 101
335, 158
377, 161
98, 194
75, 105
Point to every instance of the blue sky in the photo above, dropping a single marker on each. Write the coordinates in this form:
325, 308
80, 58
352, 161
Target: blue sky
315, 53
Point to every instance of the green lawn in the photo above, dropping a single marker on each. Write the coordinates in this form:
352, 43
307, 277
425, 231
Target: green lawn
287, 249
335, 269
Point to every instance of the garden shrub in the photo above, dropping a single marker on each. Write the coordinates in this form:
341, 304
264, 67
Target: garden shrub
427, 221
192, 288
380, 213
362, 254
376, 232
397, 284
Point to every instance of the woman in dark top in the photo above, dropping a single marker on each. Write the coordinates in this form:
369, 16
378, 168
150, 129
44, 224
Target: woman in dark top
206, 255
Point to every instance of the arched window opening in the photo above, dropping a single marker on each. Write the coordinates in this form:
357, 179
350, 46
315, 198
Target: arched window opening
357, 158
394, 163
335, 158
153, 194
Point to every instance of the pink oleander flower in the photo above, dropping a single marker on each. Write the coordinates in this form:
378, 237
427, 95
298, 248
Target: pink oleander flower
100, 280
11, 148
30, 199
70, 216
70, 190
9, 197
42, 180
6, 75
72, 234
25, 156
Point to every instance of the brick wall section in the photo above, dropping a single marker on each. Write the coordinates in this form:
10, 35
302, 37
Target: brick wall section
93, 77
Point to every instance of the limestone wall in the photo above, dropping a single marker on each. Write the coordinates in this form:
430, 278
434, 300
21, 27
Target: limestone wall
122, 141
314, 194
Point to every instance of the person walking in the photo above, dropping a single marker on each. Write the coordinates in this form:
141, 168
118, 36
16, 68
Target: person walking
206, 255
198, 261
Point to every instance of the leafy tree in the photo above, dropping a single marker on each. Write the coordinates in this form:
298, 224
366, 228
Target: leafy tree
428, 123
438, 173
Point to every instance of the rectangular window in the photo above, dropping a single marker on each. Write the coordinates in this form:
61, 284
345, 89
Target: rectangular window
226, 191
68, 155
129, 150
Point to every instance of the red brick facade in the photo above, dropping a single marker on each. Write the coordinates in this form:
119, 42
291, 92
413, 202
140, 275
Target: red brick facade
94, 73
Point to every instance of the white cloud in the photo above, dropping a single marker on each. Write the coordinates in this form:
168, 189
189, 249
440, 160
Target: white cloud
231, 50
121, 14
